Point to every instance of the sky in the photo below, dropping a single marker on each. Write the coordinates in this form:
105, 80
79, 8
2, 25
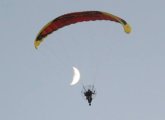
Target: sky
127, 70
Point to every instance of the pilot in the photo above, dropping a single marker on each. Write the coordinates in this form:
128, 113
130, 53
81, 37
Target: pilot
88, 94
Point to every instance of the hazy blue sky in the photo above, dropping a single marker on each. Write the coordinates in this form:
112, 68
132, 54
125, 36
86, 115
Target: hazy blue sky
128, 70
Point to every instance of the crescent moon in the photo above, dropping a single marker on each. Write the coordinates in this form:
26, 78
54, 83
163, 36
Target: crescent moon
76, 76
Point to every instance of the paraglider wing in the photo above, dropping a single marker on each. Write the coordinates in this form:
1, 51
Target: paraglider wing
76, 17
